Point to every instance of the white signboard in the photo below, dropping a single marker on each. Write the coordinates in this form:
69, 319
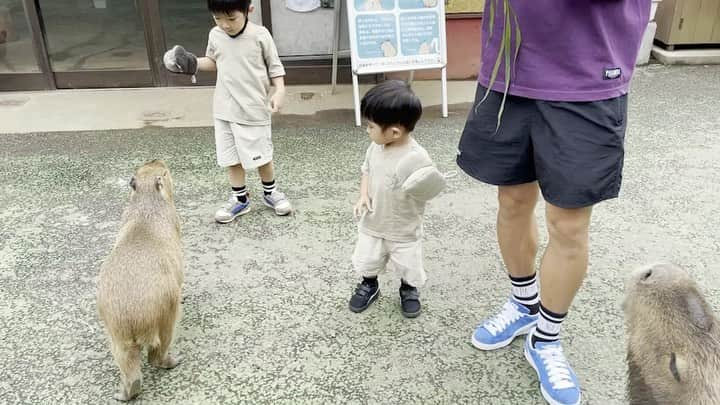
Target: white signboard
396, 35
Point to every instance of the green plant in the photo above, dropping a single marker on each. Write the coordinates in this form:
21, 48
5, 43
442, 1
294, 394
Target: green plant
506, 50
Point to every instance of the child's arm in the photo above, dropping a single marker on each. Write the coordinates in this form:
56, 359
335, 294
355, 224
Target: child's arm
363, 203
275, 69
278, 98
206, 64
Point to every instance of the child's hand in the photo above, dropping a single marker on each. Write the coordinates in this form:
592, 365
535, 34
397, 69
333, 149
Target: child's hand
178, 60
277, 100
362, 206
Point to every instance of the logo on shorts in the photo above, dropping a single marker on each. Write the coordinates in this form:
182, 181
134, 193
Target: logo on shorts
258, 157
612, 73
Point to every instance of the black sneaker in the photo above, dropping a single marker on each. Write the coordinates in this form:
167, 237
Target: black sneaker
365, 294
410, 301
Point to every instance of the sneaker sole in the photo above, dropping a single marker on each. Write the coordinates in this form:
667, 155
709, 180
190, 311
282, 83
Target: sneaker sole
370, 301
484, 346
277, 213
243, 212
545, 395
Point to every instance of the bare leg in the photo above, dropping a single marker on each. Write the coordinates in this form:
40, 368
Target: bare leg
129, 362
517, 228
237, 175
565, 261
267, 172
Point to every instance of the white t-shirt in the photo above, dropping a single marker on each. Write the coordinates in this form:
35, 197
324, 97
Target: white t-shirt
245, 65
396, 216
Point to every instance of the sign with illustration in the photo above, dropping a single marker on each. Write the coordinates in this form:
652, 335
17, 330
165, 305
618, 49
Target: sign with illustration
396, 35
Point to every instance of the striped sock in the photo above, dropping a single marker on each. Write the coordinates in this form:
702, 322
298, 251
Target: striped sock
240, 193
548, 326
525, 292
269, 187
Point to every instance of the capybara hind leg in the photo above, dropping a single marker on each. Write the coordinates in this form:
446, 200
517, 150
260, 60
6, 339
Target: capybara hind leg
160, 356
129, 362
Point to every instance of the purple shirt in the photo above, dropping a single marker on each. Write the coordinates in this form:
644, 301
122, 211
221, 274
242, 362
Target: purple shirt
571, 50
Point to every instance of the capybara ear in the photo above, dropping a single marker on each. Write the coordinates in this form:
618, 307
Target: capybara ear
159, 183
678, 367
133, 183
699, 315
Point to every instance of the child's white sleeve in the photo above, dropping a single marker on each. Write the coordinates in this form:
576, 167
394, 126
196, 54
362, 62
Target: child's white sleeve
270, 54
211, 51
365, 168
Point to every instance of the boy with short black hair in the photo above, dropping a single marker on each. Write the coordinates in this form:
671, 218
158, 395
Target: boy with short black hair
246, 60
398, 179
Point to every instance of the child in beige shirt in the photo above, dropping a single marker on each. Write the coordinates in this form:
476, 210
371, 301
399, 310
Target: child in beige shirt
246, 60
398, 179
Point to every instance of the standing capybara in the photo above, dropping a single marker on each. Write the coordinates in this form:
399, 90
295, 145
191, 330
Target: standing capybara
140, 282
673, 339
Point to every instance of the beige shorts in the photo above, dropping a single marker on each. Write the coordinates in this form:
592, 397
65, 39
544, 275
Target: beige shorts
373, 254
249, 146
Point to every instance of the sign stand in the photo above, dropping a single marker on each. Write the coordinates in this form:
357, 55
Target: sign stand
336, 44
394, 36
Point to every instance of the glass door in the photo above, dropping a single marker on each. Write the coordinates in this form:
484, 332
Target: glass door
188, 23
20, 68
97, 43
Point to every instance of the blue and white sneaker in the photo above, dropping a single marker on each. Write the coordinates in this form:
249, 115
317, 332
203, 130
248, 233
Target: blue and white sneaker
558, 382
279, 202
499, 331
231, 210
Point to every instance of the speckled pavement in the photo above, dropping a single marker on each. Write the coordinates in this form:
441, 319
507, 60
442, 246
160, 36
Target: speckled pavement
265, 316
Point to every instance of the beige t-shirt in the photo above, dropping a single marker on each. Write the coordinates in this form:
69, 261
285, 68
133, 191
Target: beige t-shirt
396, 216
245, 65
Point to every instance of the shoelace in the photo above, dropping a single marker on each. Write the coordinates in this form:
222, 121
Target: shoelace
276, 196
557, 366
499, 322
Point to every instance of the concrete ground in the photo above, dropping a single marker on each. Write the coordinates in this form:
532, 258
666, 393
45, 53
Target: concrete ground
177, 107
265, 310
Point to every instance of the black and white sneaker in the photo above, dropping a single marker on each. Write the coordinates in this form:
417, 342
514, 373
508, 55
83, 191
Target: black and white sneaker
365, 294
410, 301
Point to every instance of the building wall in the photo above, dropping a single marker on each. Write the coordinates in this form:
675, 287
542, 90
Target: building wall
306, 33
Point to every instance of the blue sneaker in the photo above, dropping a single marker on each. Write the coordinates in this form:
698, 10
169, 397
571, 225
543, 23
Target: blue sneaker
231, 210
558, 382
496, 332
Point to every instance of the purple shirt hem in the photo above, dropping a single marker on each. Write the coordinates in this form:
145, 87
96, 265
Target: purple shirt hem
556, 95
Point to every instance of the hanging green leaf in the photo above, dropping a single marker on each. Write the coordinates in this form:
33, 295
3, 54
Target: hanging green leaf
518, 37
507, 38
495, 70
507, 53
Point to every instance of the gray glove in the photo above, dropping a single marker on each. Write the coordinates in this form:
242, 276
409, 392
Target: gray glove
178, 60
419, 178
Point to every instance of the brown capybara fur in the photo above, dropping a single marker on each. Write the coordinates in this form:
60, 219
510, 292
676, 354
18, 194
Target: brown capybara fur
673, 351
140, 282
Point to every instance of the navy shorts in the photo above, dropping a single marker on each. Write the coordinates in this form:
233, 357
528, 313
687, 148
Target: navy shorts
574, 150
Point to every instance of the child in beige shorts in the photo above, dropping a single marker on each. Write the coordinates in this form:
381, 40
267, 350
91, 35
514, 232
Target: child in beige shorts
398, 179
246, 60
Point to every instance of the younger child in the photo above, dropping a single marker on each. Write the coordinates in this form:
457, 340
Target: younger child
246, 60
398, 179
